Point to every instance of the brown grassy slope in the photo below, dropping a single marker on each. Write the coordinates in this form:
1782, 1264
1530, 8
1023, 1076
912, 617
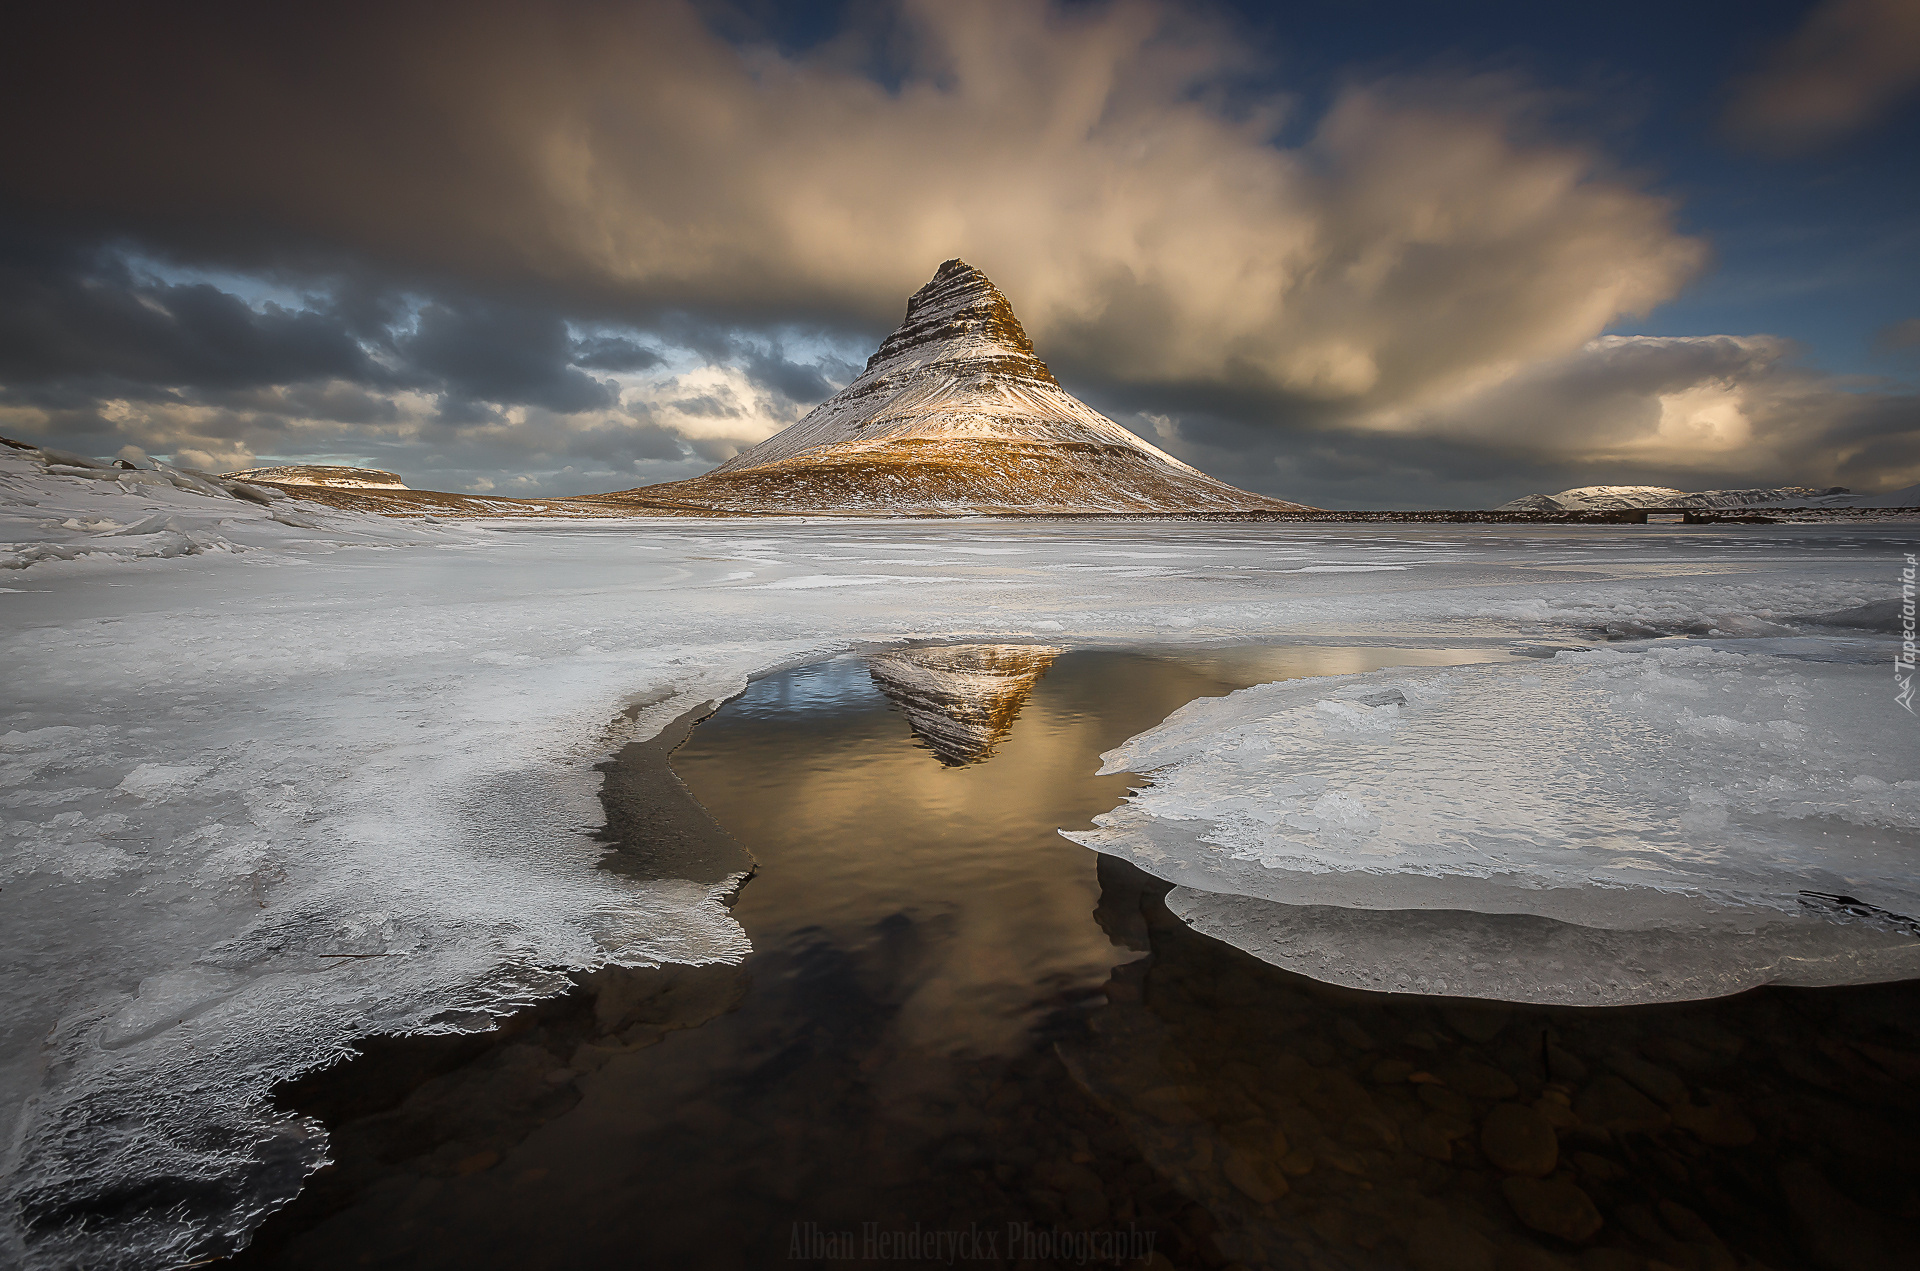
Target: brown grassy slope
404, 503
946, 477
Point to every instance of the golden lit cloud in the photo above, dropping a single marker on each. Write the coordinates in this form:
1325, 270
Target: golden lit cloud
1145, 231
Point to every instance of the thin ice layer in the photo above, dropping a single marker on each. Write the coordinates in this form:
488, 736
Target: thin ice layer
1673, 801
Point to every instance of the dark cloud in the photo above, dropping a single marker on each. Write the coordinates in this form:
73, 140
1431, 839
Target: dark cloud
483, 352
1898, 336
1694, 412
98, 350
706, 405
614, 353
624, 160
804, 382
623, 448
1340, 469
1843, 70
69, 313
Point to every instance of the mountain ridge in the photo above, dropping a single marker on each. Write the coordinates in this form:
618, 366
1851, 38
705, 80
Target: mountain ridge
1615, 498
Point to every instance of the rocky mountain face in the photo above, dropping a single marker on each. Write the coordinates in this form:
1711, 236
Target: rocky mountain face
955, 414
336, 478
1617, 498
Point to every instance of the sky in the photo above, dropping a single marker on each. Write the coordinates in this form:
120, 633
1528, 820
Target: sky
1364, 254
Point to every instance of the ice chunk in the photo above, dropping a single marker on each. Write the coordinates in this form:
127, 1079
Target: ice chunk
1679, 786
67, 459
156, 781
167, 1000
1880, 615
1527, 958
157, 524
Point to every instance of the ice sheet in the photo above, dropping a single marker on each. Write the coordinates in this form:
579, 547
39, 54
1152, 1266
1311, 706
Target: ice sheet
336, 776
1672, 801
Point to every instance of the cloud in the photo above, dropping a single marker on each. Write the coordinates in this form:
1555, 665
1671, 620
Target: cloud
1090, 158
560, 248
102, 349
1847, 65
614, 353
1694, 412
71, 313
481, 352
453, 392
1896, 336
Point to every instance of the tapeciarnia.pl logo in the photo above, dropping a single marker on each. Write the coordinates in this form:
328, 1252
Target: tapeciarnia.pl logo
1903, 660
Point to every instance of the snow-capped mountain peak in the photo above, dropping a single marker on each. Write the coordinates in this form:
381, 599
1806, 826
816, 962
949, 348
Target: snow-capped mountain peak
955, 413
959, 367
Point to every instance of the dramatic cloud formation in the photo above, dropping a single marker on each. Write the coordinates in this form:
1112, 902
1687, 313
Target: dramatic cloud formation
1706, 408
544, 248
1850, 62
1694, 411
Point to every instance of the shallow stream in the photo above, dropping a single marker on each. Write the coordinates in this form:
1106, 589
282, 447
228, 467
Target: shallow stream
958, 1026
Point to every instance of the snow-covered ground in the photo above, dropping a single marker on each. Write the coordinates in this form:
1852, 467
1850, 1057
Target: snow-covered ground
273, 778
1614, 498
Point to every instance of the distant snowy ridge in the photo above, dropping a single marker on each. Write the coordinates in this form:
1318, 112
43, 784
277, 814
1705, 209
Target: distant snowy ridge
135, 469
338, 478
57, 507
1619, 498
956, 414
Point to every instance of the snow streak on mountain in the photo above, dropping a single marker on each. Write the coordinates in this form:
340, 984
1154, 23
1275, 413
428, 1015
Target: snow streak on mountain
956, 414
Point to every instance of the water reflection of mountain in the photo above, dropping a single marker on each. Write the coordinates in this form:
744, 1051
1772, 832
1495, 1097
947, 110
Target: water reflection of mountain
961, 699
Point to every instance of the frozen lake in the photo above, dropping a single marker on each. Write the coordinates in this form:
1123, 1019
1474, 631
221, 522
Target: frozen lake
315, 782
955, 1020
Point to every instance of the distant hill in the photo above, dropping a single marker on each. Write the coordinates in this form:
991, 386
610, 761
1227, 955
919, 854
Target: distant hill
1616, 498
323, 475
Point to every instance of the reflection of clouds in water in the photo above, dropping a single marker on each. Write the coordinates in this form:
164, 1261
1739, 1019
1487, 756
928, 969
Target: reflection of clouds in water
866, 842
834, 687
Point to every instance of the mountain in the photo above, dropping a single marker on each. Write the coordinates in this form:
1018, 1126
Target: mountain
960, 700
323, 475
1906, 497
1615, 498
954, 414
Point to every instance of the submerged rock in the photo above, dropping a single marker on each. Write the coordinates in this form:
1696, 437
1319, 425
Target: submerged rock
1553, 1207
1519, 1140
